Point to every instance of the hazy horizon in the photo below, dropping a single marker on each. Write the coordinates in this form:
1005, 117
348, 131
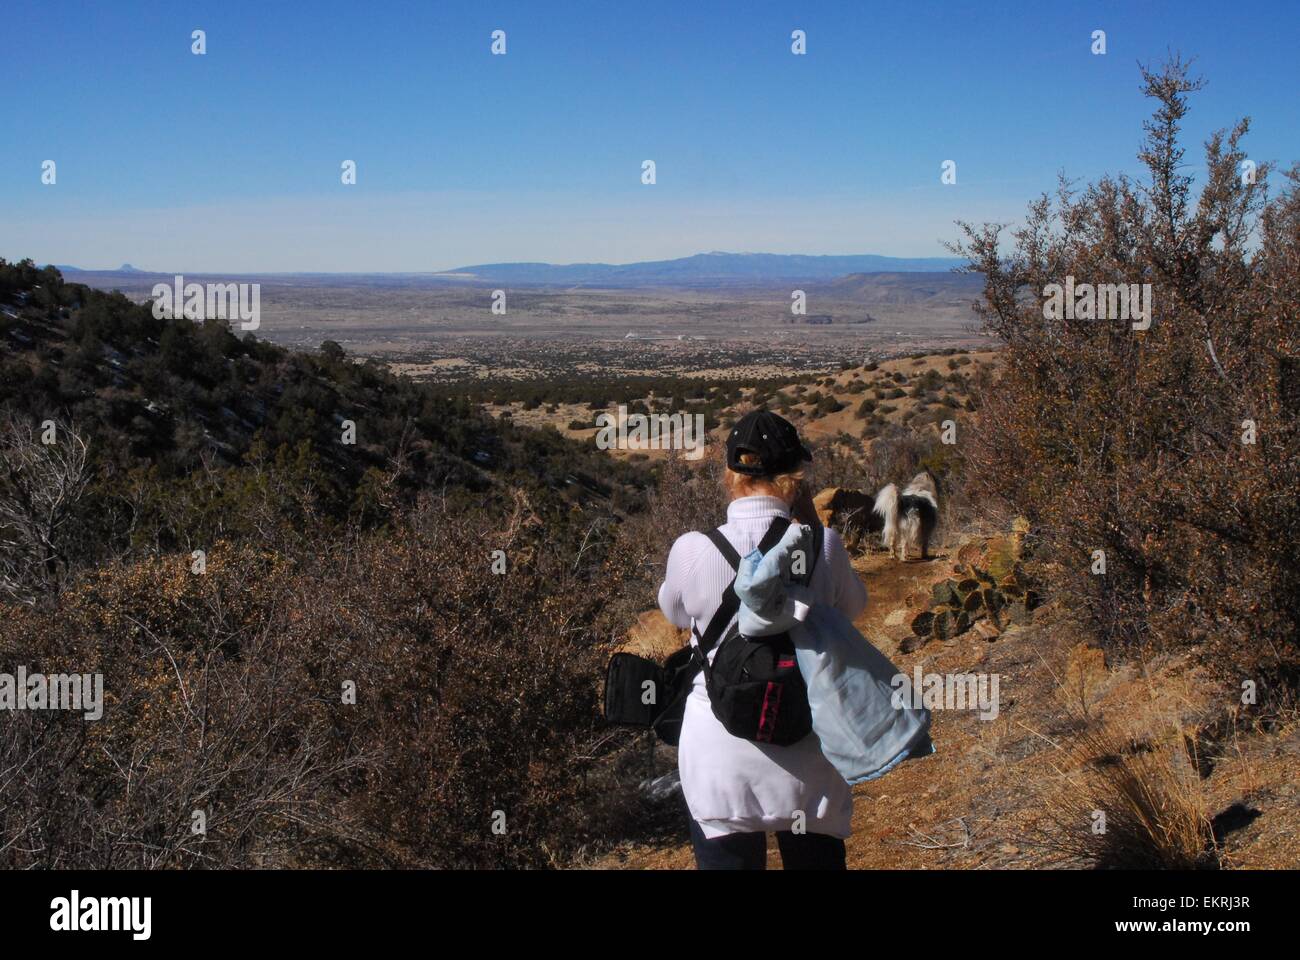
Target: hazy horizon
462, 266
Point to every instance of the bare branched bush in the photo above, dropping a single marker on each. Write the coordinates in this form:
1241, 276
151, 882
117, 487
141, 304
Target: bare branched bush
41, 485
1175, 449
373, 699
839, 462
686, 496
900, 454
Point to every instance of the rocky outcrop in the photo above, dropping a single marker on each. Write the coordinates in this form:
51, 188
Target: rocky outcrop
653, 637
848, 513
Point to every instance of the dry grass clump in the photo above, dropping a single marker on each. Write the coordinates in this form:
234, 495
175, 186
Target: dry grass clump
1126, 802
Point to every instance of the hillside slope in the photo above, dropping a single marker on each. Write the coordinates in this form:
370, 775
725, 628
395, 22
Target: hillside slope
168, 397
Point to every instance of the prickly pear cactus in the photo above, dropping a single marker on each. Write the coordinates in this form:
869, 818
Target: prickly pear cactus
987, 586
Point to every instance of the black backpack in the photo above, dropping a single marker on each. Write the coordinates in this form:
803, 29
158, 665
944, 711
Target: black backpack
754, 684
755, 687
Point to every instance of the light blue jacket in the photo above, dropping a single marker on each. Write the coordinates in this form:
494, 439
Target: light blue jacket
860, 701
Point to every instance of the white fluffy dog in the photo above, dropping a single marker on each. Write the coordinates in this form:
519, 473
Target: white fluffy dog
909, 518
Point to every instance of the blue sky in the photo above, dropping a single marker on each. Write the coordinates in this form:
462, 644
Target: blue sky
231, 161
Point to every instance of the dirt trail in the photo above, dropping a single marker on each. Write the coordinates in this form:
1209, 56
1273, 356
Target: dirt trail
883, 809
982, 800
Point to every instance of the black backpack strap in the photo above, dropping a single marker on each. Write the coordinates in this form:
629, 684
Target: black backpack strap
774, 534
725, 548
818, 540
726, 611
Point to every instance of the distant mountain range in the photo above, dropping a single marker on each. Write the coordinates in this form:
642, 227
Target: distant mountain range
68, 268
703, 269
902, 288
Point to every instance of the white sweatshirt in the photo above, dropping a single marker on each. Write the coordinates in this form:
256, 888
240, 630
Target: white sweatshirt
733, 785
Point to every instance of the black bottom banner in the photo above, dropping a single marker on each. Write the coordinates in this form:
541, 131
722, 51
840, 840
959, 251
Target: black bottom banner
333, 909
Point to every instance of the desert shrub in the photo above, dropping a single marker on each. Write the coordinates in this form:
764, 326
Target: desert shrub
224, 693
686, 496
837, 464
41, 486
1131, 441
920, 416
897, 455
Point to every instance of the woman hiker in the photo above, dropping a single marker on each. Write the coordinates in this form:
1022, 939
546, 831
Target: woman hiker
739, 790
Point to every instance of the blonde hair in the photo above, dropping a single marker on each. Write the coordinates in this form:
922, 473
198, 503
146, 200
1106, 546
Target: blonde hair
783, 485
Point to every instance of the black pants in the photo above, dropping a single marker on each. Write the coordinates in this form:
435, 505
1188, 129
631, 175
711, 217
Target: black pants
748, 851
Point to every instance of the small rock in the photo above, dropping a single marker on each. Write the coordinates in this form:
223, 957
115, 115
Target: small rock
896, 617
912, 643
661, 788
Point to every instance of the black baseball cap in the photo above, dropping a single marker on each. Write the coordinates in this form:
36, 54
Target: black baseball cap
773, 438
